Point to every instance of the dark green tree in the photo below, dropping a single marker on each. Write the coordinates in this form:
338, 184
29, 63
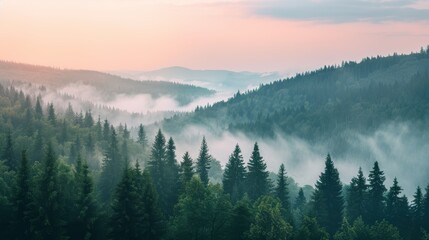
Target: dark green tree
269, 223
356, 196
417, 214
384, 231
397, 207
186, 169
48, 222
426, 210
171, 173
126, 217
282, 192
240, 220
86, 204
51, 114
156, 166
346, 232
8, 152
203, 162
234, 175
23, 200
300, 200
88, 121
310, 230
328, 202
38, 108
111, 170
376, 189
257, 176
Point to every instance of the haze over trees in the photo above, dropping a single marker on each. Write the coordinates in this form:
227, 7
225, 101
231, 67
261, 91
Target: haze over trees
71, 176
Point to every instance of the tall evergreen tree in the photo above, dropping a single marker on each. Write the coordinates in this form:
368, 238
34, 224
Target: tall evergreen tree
327, 199
23, 200
376, 190
156, 166
38, 108
240, 220
86, 205
234, 175
417, 214
126, 216
172, 183
51, 114
141, 136
48, 221
111, 170
8, 152
282, 192
397, 211
356, 197
426, 210
257, 176
300, 200
186, 169
203, 162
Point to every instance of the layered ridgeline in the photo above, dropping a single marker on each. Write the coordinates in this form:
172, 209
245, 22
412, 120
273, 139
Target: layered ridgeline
107, 86
329, 103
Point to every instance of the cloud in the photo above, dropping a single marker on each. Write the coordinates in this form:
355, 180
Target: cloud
341, 11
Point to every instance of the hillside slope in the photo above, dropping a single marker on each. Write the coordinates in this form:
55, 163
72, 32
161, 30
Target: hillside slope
327, 103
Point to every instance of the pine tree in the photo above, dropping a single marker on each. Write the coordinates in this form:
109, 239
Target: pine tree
8, 152
111, 170
153, 222
300, 200
38, 108
282, 192
171, 184
393, 202
203, 163
23, 200
38, 147
240, 220
48, 221
327, 199
51, 114
86, 205
376, 190
156, 166
186, 169
234, 175
88, 121
142, 136
426, 210
417, 213
257, 176
126, 215
106, 130
356, 197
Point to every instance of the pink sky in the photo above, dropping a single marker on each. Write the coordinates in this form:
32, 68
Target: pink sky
149, 34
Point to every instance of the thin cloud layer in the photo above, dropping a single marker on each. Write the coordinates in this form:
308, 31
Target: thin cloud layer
340, 11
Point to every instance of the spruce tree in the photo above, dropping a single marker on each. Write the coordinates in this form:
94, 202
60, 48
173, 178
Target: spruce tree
38, 109
234, 175
282, 192
426, 210
23, 200
186, 169
417, 214
257, 176
392, 202
126, 215
51, 114
376, 189
203, 163
48, 220
240, 220
8, 152
356, 197
328, 202
111, 170
300, 200
86, 205
171, 184
156, 166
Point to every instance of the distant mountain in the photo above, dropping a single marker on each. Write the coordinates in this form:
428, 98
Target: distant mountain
219, 80
328, 103
107, 85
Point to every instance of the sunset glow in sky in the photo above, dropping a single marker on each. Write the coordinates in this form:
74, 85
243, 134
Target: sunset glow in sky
254, 35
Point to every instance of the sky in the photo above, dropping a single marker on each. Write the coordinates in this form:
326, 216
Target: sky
240, 35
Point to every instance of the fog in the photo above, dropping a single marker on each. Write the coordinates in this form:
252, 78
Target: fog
400, 151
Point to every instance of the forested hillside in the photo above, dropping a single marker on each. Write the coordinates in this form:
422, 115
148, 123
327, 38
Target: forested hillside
75, 177
314, 105
108, 85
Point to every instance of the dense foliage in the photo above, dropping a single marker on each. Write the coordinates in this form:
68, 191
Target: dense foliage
73, 177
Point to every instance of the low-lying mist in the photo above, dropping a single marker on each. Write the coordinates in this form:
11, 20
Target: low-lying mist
401, 152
